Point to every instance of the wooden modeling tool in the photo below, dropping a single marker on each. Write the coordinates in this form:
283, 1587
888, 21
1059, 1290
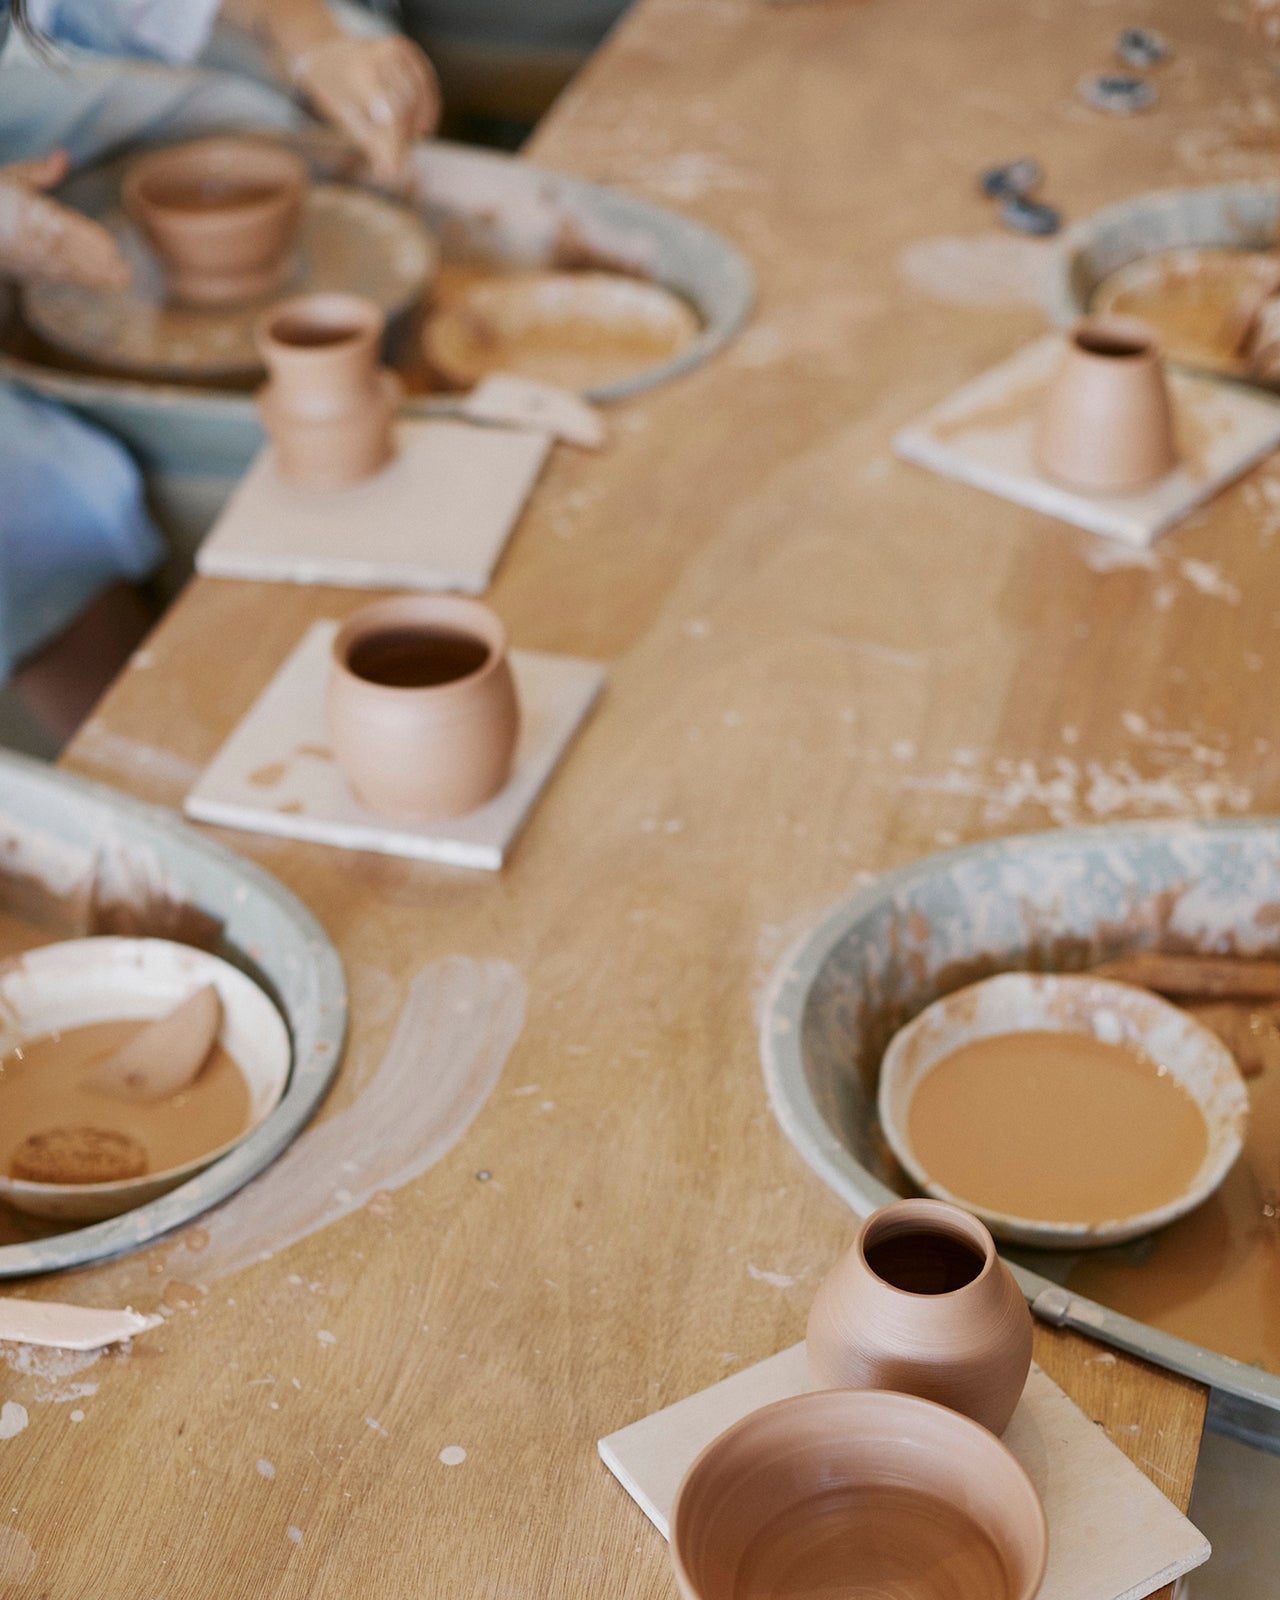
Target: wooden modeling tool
514, 402
62, 1327
166, 1055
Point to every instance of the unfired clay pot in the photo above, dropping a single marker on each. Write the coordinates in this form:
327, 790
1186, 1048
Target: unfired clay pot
422, 706
328, 405
857, 1492
221, 214
923, 1303
1107, 423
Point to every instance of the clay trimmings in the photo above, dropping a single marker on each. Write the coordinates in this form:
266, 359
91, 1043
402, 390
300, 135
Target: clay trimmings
1057, 1127
52, 1122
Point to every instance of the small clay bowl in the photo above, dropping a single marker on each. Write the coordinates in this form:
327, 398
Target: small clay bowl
1096, 1008
82, 981
221, 213
1107, 422
422, 707
858, 1492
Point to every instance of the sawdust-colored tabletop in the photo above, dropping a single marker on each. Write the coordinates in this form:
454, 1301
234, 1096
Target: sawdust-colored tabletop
823, 663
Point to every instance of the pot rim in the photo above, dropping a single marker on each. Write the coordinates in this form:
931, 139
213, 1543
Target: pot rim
431, 613
289, 179
920, 1214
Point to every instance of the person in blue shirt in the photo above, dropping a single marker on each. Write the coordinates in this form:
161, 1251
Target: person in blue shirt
75, 536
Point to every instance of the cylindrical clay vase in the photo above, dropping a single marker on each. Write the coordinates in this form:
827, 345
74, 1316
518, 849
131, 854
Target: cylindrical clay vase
922, 1303
1107, 423
422, 706
221, 213
328, 404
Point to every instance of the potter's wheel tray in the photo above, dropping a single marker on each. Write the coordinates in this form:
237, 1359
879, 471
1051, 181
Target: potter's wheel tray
1062, 901
349, 240
79, 858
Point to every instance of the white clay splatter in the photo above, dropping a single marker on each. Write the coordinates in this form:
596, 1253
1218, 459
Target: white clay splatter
372, 1422
266, 1469
325, 1337
985, 269
779, 1280
13, 1419
1208, 579
294, 1535
77, 1416
451, 1041
17, 1558
53, 1372
453, 1455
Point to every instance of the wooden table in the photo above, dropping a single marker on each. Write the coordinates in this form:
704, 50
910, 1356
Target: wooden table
823, 663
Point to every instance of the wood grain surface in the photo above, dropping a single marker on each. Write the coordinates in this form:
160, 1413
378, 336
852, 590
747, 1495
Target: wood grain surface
823, 663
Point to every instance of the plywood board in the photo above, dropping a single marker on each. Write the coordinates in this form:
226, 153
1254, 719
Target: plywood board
983, 435
1112, 1534
276, 773
437, 517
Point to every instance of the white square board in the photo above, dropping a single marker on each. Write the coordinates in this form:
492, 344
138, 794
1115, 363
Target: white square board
983, 435
1112, 1534
438, 516
276, 774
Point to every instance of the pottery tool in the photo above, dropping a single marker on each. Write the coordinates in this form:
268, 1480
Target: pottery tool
63, 1327
984, 435
165, 1055
1112, 1534
276, 773
515, 402
438, 517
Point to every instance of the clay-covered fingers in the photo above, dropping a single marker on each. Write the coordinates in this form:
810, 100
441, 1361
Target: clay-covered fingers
41, 239
382, 92
41, 173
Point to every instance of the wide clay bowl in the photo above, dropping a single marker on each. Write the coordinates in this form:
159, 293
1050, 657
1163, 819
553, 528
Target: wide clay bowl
422, 706
922, 1303
221, 213
80, 982
857, 1492
1107, 422
1122, 1160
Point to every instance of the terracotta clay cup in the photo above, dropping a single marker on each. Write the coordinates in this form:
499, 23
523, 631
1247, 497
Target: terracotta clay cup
923, 1303
857, 1493
328, 404
422, 706
1107, 423
221, 213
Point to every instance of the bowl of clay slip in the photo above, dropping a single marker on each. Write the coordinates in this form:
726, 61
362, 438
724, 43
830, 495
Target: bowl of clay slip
1065, 1111
76, 1146
922, 1303
857, 1492
328, 404
422, 707
1107, 426
221, 213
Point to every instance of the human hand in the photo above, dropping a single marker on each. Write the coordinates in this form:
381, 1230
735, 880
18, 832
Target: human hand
41, 239
383, 92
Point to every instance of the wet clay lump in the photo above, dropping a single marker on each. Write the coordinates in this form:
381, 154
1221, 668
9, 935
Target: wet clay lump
42, 1088
1057, 1127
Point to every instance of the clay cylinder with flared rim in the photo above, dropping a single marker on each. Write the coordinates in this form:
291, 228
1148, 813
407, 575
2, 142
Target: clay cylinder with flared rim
795, 1494
423, 751
222, 214
922, 1303
1106, 425
328, 405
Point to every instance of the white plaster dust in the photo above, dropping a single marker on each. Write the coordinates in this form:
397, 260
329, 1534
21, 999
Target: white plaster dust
779, 1280
13, 1419
453, 1455
17, 1558
994, 270
456, 1028
55, 1374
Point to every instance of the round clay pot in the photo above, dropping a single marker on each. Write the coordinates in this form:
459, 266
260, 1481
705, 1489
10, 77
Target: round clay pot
857, 1493
923, 1303
1107, 423
221, 214
328, 405
422, 706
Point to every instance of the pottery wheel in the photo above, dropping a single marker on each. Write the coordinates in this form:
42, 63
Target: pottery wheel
580, 330
350, 240
1193, 299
